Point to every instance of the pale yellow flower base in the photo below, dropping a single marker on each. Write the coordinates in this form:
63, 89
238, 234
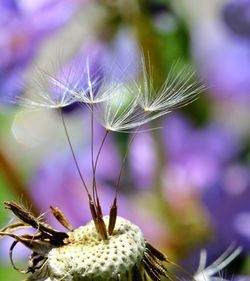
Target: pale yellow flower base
87, 257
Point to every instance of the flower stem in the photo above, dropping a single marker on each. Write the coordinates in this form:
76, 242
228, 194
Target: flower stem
15, 182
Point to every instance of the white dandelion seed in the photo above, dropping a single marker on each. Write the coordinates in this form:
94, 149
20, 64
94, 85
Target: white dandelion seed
77, 84
136, 104
178, 90
45, 92
122, 113
88, 88
204, 273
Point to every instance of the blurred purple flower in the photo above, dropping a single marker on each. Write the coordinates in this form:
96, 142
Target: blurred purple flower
48, 15
228, 206
123, 56
195, 156
23, 26
142, 160
237, 17
223, 57
242, 278
227, 70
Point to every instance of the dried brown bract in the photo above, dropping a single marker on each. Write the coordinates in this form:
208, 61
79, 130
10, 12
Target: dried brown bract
40, 243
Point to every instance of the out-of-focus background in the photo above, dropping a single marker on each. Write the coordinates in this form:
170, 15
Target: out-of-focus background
187, 184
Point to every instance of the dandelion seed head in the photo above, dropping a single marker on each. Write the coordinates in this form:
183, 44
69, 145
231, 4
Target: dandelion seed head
86, 255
